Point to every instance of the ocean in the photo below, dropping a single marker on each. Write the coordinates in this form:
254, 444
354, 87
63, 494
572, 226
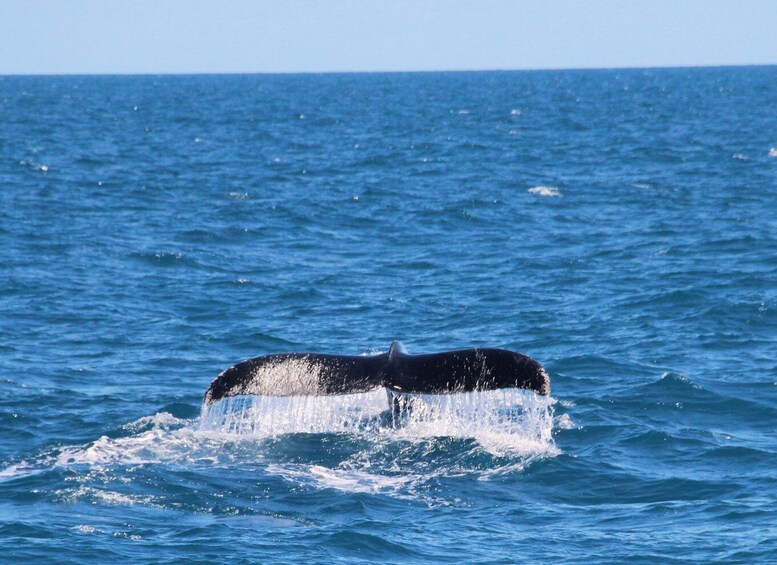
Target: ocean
619, 226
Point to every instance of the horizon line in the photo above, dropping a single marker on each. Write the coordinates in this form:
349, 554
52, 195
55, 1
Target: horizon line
387, 71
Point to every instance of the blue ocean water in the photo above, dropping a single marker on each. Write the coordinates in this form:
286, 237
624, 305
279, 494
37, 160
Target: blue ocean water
618, 226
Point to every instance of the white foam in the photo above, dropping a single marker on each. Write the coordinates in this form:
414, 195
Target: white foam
773, 152
22, 469
161, 438
346, 480
103, 496
547, 191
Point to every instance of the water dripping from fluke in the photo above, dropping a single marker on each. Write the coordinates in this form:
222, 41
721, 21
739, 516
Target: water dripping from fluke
493, 395
501, 421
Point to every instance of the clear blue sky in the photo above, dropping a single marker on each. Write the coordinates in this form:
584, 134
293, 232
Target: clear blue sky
191, 36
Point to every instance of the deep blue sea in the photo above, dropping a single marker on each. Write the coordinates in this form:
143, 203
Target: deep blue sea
619, 226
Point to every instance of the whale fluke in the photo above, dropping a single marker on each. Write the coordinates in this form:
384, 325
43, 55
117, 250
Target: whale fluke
292, 374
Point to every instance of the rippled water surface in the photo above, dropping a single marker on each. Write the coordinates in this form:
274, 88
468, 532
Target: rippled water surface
618, 226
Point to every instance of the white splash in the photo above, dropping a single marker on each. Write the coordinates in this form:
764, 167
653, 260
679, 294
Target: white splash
548, 191
270, 416
512, 425
504, 421
397, 453
564, 422
501, 421
160, 438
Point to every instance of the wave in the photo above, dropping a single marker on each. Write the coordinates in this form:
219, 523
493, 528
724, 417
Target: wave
547, 191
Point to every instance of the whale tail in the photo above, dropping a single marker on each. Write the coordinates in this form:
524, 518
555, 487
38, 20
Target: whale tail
292, 374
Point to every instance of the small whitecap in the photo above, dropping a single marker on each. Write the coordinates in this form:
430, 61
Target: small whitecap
773, 152
564, 422
135, 108
242, 281
515, 112
125, 535
549, 191
162, 256
43, 168
197, 140
119, 499
514, 132
740, 157
463, 112
239, 195
345, 480
355, 198
301, 116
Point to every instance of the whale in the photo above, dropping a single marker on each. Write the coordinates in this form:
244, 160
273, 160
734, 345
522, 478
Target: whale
307, 374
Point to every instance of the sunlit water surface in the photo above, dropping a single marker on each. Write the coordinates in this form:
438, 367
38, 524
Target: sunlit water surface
618, 226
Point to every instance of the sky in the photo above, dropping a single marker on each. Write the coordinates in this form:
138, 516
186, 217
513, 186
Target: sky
241, 36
